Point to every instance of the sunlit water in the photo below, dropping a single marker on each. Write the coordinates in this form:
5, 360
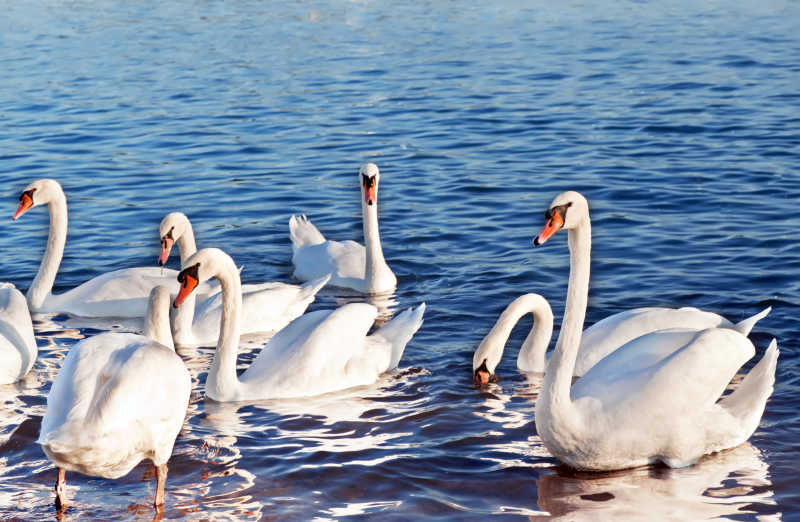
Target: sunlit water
679, 122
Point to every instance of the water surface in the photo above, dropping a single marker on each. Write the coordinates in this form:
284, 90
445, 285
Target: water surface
678, 121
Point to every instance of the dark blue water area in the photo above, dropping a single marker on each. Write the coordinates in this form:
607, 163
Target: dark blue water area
677, 120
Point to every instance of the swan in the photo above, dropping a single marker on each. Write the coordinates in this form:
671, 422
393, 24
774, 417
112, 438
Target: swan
606, 335
119, 398
352, 265
18, 349
656, 398
319, 352
531, 357
121, 293
266, 307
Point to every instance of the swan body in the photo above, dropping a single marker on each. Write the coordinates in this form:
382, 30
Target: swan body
317, 353
351, 265
119, 398
266, 307
18, 347
121, 293
656, 398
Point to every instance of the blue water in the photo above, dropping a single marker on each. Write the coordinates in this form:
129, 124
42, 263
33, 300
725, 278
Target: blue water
678, 121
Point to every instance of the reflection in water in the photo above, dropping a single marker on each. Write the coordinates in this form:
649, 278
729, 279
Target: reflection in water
386, 303
725, 483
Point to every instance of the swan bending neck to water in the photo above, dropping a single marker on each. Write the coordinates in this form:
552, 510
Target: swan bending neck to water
531, 355
118, 398
654, 399
319, 352
351, 265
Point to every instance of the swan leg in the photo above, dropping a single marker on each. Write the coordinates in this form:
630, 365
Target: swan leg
61, 483
161, 479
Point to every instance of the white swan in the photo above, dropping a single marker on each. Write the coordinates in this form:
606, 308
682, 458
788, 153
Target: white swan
121, 293
118, 398
18, 348
319, 352
607, 335
266, 307
352, 265
656, 398
625, 326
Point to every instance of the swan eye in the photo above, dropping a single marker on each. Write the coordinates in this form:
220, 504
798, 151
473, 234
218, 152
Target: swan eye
367, 181
27, 194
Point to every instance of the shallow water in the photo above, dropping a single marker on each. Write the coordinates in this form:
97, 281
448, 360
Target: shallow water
678, 122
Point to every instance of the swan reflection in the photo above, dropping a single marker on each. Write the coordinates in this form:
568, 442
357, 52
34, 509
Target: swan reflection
721, 484
386, 303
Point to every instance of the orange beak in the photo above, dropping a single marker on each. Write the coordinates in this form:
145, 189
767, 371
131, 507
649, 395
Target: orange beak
25, 203
188, 284
166, 247
370, 196
552, 226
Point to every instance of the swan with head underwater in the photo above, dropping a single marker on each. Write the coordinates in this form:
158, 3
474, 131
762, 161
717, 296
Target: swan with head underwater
120, 293
601, 338
118, 398
351, 265
266, 307
656, 398
319, 352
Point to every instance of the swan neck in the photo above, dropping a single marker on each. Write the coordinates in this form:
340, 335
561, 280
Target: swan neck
531, 355
558, 378
222, 382
186, 243
42, 285
156, 324
375, 263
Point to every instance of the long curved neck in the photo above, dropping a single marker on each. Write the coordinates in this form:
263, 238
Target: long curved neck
156, 324
376, 264
186, 243
558, 378
222, 381
56, 239
531, 355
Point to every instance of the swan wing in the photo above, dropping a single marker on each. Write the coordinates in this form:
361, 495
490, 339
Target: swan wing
684, 385
614, 331
309, 356
268, 308
344, 260
18, 348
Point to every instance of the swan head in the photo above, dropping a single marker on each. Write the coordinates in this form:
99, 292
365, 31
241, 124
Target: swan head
171, 229
568, 210
200, 267
40, 192
369, 176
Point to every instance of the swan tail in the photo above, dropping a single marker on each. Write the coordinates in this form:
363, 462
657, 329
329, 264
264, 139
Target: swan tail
303, 232
744, 327
747, 402
399, 331
308, 291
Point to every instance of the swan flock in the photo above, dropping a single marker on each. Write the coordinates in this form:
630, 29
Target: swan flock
649, 386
